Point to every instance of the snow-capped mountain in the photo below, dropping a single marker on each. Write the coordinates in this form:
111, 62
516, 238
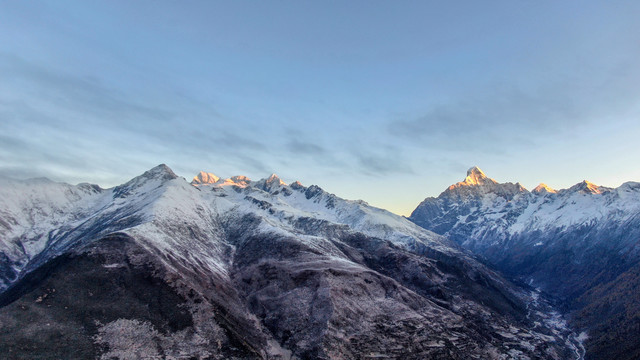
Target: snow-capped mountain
567, 242
503, 220
234, 268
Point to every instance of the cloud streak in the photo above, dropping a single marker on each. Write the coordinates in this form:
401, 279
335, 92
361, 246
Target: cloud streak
78, 124
102, 91
506, 117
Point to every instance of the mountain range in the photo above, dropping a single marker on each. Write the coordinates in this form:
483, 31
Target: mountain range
160, 267
578, 245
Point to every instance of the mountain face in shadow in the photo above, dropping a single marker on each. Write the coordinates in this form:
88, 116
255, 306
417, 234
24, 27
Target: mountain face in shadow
580, 245
240, 269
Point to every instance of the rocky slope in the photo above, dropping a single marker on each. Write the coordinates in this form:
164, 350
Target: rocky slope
240, 269
571, 243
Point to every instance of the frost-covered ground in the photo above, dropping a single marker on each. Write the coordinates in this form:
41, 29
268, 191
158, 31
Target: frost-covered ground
299, 270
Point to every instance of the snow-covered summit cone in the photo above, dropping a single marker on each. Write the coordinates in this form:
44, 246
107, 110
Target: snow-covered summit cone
204, 178
475, 176
542, 188
57, 217
154, 177
477, 183
586, 187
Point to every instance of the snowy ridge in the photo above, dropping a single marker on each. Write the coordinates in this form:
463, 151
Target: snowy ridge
41, 219
255, 252
571, 243
507, 209
282, 205
204, 178
532, 233
33, 212
542, 188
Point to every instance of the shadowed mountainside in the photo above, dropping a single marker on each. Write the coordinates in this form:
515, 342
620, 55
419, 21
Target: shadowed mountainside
240, 269
581, 244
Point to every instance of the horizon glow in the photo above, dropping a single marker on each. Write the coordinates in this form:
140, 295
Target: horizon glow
389, 103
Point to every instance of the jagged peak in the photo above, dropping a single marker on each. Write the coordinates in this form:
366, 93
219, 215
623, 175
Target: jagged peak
543, 188
240, 180
297, 185
161, 171
274, 179
586, 187
204, 178
475, 177
476, 171
270, 183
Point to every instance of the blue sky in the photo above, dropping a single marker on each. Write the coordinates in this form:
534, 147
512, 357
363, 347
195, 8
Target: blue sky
388, 102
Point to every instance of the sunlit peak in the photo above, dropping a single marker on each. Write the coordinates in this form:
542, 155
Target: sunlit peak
238, 180
543, 188
204, 178
587, 188
475, 176
274, 179
591, 187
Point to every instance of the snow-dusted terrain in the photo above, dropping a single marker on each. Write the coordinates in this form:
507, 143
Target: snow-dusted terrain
41, 218
506, 223
572, 243
511, 209
234, 268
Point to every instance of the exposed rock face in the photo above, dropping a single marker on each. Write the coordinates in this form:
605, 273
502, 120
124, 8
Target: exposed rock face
569, 243
110, 299
475, 176
163, 268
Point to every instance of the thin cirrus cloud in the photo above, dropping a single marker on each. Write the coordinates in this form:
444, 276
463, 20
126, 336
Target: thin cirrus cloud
92, 127
504, 117
297, 146
354, 96
381, 164
74, 123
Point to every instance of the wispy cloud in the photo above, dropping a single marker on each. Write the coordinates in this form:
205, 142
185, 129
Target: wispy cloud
74, 124
378, 158
381, 164
83, 95
509, 117
306, 148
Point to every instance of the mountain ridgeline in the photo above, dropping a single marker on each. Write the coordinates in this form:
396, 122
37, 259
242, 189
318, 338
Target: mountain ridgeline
216, 268
580, 245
